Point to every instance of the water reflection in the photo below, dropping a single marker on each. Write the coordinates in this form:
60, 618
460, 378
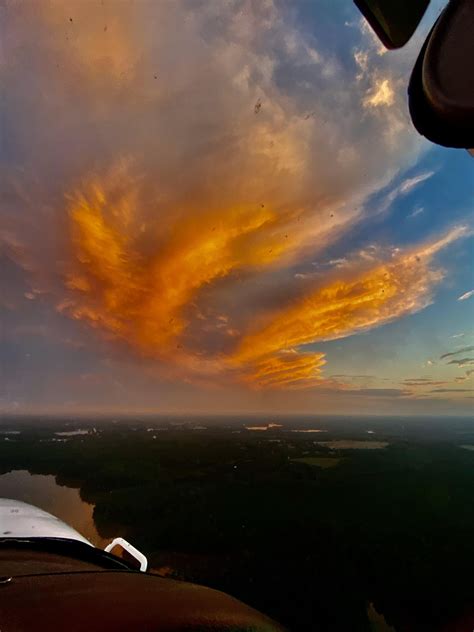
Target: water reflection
63, 502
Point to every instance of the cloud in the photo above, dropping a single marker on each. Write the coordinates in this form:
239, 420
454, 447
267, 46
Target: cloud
286, 369
165, 200
361, 58
354, 377
463, 378
114, 286
351, 304
466, 295
416, 211
453, 353
422, 382
338, 263
380, 94
461, 335
378, 392
450, 390
462, 363
374, 44
403, 188
152, 299
410, 183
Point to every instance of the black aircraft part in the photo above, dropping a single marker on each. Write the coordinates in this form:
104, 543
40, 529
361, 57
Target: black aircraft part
441, 89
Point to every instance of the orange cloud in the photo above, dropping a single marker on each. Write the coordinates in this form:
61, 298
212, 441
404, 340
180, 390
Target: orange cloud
139, 283
138, 291
362, 301
285, 369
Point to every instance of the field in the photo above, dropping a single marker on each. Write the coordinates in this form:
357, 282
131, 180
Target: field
319, 461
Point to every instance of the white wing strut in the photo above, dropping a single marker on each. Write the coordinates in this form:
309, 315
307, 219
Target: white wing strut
130, 549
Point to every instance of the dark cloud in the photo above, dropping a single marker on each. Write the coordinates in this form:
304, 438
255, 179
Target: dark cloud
463, 362
422, 382
350, 375
379, 392
453, 353
451, 390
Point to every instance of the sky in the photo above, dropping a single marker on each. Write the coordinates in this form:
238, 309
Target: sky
222, 206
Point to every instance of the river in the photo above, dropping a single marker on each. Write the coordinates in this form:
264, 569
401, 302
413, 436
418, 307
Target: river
63, 502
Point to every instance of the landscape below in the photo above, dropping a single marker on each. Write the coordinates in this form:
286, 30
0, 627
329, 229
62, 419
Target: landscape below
317, 523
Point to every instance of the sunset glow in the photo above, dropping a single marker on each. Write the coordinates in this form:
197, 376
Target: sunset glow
222, 211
